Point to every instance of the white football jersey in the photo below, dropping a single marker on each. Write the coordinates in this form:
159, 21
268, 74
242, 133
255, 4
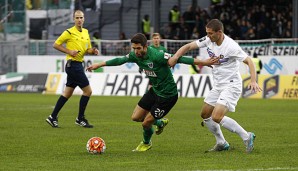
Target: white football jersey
230, 53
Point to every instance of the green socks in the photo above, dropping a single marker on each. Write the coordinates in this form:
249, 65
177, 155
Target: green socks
147, 134
158, 123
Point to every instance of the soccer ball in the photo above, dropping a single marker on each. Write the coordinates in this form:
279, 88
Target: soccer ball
96, 145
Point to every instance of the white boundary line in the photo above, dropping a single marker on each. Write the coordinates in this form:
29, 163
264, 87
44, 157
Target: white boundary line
26, 108
263, 169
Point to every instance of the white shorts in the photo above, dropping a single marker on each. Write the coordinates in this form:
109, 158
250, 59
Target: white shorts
227, 96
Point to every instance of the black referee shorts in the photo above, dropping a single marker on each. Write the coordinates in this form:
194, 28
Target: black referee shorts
76, 75
158, 106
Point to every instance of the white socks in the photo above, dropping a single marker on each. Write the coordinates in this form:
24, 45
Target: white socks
231, 125
215, 129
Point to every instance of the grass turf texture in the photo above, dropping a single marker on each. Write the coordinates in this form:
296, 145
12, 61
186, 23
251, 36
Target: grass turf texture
28, 142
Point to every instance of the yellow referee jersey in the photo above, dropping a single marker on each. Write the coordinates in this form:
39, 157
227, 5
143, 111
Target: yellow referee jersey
75, 40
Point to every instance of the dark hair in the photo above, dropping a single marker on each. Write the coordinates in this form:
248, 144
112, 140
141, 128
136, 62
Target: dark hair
215, 25
139, 38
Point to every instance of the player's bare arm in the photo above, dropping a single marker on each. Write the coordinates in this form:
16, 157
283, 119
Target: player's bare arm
253, 85
207, 62
190, 46
61, 48
93, 51
95, 66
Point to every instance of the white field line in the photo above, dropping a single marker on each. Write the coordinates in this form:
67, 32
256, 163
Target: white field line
263, 169
16, 108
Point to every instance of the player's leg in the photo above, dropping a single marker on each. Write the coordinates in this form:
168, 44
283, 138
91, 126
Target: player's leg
214, 128
147, 131
142, 115
81, 119
77, 73
139, 114
160, 109
62, 100
53, 118
227, 102
160, 125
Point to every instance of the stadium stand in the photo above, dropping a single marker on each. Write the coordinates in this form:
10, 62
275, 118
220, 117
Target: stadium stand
243, 20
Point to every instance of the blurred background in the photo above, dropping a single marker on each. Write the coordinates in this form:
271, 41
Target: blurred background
29, 27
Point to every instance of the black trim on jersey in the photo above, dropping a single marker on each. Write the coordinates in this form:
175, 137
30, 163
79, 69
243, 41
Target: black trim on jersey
68, 31
202, 39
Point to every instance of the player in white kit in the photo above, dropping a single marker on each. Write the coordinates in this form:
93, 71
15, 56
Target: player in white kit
227, 86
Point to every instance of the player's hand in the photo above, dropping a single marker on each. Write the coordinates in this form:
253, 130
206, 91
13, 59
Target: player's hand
212, 61
254, 87
73, 53
95, 51
92, 67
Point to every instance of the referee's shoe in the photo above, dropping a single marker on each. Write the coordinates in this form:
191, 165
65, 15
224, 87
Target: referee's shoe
83, 122
52, 121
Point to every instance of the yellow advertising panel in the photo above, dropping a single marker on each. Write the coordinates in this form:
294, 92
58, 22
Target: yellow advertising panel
52, 83
274, 87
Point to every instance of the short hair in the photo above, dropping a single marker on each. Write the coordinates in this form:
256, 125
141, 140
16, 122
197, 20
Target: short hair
215, 25
139, 38
155, 34
76, 12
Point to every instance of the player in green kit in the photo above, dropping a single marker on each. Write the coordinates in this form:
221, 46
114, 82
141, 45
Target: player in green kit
156, 43
163, 94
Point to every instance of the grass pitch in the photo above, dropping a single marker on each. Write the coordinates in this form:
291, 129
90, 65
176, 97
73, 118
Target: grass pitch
27, 142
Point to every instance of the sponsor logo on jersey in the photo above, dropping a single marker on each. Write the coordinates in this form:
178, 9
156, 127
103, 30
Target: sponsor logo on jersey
222, 59
150, 73
150, 65
210, 53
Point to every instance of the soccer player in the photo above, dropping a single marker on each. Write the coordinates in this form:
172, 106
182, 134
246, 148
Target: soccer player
77, 40
227, 86
156, 43
160, 99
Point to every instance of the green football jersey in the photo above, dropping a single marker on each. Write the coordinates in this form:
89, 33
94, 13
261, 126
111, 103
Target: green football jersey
159, 48
155, 65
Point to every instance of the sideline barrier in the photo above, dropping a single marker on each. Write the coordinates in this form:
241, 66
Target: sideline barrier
120, 84
274, 86
274, 65
112, 84
22, 82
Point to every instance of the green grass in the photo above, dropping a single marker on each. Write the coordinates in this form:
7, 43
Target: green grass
27, 142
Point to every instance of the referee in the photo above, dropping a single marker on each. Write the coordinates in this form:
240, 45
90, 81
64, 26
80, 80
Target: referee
77, 40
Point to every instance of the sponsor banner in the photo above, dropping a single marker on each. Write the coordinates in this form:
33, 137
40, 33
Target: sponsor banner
283, 61
20, 82
265, 50
275, 65
274, 87
54, 83
279, 65
112, 84
47, 64
197, 85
